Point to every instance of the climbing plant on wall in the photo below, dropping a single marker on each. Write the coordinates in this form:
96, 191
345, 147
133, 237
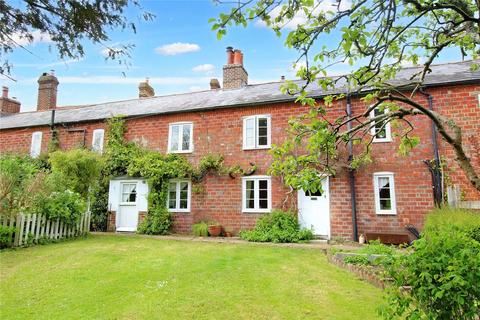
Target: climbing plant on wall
126, 157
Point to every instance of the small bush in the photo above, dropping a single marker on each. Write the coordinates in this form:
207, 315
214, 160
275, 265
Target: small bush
442, 272
6, 236
376, 247
357, 260
68, 206
200, 229
278, 226
157, 221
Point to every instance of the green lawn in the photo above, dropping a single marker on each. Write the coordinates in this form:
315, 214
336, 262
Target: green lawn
131, 277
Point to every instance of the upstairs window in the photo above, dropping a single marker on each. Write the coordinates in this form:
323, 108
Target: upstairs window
97, 140
380, 130
256, 132
36, 146
179, 192
384, 193
257, 194
180, 137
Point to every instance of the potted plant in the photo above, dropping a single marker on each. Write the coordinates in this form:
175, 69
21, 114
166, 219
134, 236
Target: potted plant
214, 229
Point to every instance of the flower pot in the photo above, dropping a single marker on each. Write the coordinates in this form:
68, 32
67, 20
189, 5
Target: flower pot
228, 234
215, 231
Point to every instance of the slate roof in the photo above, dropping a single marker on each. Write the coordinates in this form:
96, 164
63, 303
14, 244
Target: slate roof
256, 94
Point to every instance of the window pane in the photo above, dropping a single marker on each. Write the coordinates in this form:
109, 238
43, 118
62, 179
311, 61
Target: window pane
263, 184
250, 132
172, 195
186, 136
262, 132
250, 204
380, 133
313, 194
263, 204
183, 204
183, 195
133, 195
249, 194
385, 204
174, 137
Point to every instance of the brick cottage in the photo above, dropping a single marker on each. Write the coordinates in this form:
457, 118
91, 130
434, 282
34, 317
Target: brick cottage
241, 122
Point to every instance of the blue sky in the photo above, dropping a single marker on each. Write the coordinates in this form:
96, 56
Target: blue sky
179, 26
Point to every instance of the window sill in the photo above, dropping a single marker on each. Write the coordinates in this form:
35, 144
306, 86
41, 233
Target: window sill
128, 203
381, 140
259, 148
387, 213
178, 211
256, 211
180, 151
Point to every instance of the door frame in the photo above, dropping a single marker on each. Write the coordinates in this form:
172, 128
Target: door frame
126, 204
327, 193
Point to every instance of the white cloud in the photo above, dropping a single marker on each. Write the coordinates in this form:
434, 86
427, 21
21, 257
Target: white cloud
301, 17
204, 68
37, 37
173, 49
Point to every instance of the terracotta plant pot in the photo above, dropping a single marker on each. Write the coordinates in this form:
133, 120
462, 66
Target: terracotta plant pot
214, 231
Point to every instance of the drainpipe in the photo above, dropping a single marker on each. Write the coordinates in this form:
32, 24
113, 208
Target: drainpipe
434, 169
351, 175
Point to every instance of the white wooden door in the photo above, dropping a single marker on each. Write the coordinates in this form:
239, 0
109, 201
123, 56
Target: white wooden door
314, 210
127, 219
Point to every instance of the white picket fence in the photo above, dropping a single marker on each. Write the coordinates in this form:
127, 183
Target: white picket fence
32, 228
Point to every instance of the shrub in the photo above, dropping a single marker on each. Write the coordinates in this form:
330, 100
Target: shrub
376, 247
442, 272
357, 260
277, 226
157, 221
6, 236
200, 229
67, 206
448, 220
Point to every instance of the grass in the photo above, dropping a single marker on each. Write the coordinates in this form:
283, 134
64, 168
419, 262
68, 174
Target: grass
132, 277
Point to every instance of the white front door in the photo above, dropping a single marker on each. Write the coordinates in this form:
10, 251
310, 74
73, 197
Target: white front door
314, 210
127, 218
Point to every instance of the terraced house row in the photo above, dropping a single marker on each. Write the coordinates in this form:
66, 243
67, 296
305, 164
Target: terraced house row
242, 122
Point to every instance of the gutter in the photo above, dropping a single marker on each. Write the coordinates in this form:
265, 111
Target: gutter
434, 169
351, 175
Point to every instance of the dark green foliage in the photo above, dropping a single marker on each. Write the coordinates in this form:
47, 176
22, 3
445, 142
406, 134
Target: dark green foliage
357, 260
99, 207
6, 236
442, 269
158, 221
278, 226
200, 229
68, 206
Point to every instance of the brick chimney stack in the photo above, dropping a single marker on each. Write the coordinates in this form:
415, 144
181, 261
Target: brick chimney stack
8, 105
145, 90
234, 74
47, 92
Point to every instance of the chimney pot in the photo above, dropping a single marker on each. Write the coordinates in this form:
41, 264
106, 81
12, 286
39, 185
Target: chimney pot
230, 55
282, 78
238, 57
47, 92
5, 92
214, 84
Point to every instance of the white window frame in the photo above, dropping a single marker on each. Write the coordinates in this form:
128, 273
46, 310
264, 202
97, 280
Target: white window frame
256, 208
180, 137
391, 177
100, 147
269, 132
128, 203
177, 194
387, 127
36, 149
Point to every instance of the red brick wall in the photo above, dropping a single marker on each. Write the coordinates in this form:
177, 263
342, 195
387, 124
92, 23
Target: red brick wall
220, 131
